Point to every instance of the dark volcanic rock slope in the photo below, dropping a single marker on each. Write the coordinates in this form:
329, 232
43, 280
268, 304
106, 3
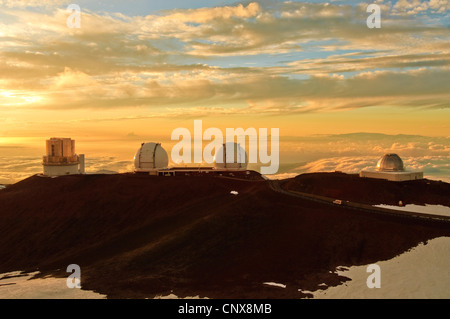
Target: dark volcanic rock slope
138, 236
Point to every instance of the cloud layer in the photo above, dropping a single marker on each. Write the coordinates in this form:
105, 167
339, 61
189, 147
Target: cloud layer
276, 60
349, 153
307, 57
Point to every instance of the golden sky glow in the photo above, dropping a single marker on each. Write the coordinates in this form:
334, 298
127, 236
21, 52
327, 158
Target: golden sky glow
136, 73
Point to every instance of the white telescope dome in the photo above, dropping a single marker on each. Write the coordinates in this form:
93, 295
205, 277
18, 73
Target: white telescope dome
149, 157
231, 156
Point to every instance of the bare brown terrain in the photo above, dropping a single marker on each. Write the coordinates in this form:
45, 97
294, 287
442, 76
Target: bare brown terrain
371, 191
139, 236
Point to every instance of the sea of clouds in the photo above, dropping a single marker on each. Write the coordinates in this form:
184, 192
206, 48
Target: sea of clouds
349, 153
16, 168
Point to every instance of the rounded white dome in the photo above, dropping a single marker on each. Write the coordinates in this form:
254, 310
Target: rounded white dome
149, 157
239, 160
390, 163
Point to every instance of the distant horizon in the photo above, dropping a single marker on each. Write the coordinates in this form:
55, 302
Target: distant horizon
349, 153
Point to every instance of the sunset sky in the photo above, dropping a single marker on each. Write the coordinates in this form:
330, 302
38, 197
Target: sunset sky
136, 70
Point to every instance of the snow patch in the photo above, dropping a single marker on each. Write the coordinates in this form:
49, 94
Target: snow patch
427, 209
275, 284
420, 273
19, 285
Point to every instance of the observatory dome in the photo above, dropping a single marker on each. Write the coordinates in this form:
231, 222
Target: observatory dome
390, 163
231, 156
149, 157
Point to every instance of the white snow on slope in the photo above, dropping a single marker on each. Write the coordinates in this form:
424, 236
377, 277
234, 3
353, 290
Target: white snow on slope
420, 273
427, 209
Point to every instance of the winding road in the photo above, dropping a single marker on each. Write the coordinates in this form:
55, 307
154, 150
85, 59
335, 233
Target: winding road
276, 186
